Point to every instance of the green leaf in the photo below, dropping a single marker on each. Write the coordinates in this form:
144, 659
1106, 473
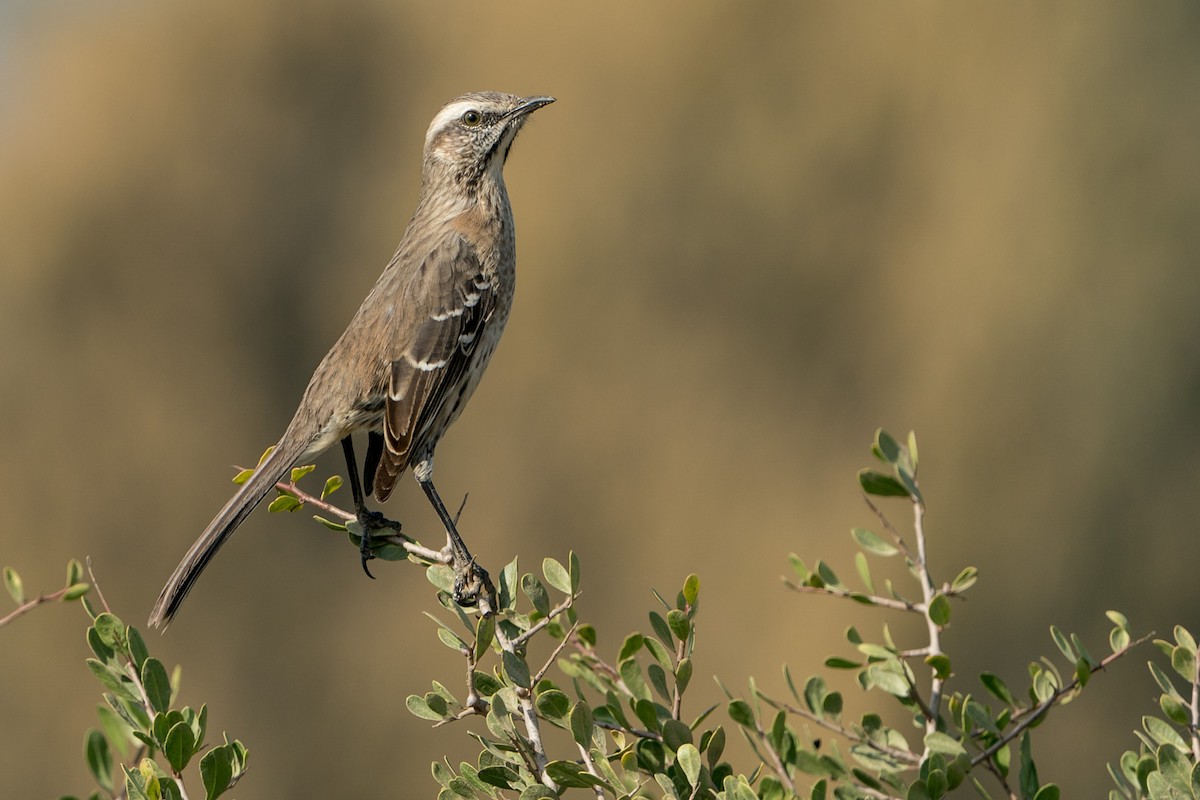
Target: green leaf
1162, 733
741, 713
940, 664
179, 746
570, 775
679, 624
837, 662
683, 674
157, 684
553, 705
939, 610
1047, 792
332, 484
575, 570
887, 677
76, 591
419, 707
880, 485
965, 580
864, 571
485, 631
300, 472
516, 669
661, 629
216, 771
676, 734
1062, 644
556, 575
12, 582
1176, 711
99, 759
633, 643
1118, 639
285, 502
111, 631
658, 680
138, 652
536, 593
328, 523
691, 589
112, 680
581, 724
242, 476
1183, 661
871, 543
1118, 619
537, 792
688, 758
938, 742
451, 640
887, 449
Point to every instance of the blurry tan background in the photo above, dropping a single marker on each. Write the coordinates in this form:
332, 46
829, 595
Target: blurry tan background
750, 233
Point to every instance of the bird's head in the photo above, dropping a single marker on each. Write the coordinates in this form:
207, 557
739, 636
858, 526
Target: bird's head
470, 137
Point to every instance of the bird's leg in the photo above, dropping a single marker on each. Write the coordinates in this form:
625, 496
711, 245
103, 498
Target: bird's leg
470, 579
368, 520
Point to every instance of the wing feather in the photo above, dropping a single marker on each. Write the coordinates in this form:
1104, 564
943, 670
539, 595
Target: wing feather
432, 369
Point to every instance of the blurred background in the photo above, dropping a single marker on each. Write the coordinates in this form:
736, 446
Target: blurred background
750, 233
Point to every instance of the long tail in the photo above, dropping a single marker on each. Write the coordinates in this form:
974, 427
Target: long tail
249, 495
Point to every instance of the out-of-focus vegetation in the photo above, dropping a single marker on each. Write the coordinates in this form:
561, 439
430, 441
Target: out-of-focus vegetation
747, 233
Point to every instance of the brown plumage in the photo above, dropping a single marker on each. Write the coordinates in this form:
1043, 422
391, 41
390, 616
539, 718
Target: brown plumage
414, 352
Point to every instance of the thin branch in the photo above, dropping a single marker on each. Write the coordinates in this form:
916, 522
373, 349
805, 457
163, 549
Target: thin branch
96, 585
529, 715
1195, 726
29, 605
928, 592
890, 528
905, 756
554, 612
677, 696
877, 600
1034, 713
541, 673
591, 767
400, 540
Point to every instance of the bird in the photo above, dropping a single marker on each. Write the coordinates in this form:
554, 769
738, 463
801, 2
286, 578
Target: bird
413, 353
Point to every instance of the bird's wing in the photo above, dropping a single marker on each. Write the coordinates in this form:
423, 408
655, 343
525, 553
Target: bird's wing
458, 302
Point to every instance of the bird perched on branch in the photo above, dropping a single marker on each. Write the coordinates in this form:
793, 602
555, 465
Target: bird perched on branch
414, 352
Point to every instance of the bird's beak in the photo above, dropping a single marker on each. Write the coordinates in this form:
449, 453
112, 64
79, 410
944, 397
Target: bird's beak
528, 105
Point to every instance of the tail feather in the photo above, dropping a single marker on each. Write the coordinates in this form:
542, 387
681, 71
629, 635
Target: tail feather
227, 520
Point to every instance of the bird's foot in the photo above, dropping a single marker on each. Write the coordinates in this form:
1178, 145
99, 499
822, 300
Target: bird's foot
370, 522
471, 582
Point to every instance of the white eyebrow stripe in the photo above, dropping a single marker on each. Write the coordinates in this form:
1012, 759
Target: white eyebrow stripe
443, 118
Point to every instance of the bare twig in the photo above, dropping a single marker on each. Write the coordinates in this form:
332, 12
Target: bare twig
890, 528
1195, 726
96, 585
29, 605
529, 715
878, 600
400, 540
928, 592
904, 756
554, 612
591, 767
1031, 715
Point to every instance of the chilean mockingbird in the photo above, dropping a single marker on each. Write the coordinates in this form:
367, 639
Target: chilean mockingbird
411, 357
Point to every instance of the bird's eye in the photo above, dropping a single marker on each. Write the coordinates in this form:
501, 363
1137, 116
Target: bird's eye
472, 118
